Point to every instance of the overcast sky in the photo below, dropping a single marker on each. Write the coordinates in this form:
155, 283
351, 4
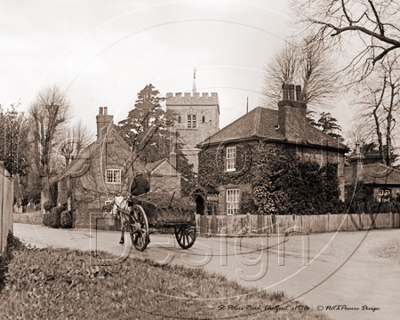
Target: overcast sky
104, 52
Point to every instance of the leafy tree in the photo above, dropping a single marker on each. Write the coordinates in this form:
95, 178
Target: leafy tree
14, 144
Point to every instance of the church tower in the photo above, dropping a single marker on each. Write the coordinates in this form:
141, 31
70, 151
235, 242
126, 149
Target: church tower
196, 119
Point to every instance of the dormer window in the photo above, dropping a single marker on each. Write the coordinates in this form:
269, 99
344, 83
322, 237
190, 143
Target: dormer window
230, 158
191, 121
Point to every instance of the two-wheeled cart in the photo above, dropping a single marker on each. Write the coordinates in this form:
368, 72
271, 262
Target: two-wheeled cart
146, 217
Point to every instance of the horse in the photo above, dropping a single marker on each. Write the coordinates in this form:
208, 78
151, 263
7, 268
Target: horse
121, 203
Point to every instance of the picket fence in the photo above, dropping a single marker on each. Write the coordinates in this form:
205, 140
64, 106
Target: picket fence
6, 206
234, 225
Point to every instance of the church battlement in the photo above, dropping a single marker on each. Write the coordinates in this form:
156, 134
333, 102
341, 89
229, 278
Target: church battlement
192, 98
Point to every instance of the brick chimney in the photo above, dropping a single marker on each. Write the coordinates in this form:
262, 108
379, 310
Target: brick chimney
103, 121
292, 113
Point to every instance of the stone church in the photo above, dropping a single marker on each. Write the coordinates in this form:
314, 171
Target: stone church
197, 119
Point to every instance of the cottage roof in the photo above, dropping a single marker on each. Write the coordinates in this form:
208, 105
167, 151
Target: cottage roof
375, 174
262, 123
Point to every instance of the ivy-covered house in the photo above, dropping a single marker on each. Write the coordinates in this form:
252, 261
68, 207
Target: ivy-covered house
273, 161
104, 169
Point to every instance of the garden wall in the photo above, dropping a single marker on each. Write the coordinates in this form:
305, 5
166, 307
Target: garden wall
29, 217
258, 224
6, 206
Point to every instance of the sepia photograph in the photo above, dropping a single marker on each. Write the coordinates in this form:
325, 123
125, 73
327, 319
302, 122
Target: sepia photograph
200, 159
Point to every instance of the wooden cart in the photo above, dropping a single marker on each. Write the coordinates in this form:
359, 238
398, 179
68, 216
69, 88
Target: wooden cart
146, 217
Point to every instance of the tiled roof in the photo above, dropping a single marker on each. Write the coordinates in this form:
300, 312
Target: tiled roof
263, 123
375, 173
194, 99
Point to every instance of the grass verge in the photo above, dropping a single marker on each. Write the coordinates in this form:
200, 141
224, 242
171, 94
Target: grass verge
61, 284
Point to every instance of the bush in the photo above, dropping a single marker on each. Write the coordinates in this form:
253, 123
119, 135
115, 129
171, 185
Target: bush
48, 219
53, 218
66, 219
48, 205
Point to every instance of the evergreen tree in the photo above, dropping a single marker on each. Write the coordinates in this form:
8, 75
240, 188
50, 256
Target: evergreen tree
146, 114
329, 125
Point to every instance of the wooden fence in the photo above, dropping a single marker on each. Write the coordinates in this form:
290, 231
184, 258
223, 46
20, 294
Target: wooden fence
6, 206
233, 225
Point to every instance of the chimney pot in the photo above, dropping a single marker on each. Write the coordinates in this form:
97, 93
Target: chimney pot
298, 93
291, 91
105, 111
285, 88
100, 110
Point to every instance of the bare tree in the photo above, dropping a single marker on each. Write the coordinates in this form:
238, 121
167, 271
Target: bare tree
378, 98
72, 141
49, 111
373, 23
307, 63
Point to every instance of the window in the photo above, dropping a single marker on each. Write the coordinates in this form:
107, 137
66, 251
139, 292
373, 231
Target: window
232, 201
230, 158
384, 195
113, 176
191, 121
179, 119
204, 119
384, 192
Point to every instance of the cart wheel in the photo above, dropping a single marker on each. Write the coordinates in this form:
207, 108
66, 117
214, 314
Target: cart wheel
186, 236
139, 228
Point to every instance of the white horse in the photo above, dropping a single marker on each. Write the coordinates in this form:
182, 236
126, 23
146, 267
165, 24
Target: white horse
121, 203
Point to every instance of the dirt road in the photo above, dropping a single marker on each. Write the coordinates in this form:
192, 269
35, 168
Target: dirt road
350, 275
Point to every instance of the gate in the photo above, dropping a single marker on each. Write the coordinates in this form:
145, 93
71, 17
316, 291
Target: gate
6, 206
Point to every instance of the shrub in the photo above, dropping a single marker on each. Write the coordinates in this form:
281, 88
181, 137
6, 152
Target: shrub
53, 218
48, 205
48, 219
66, 219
